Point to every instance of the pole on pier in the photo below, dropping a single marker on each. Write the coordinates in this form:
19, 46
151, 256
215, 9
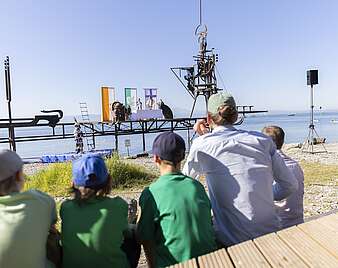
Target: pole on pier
93, 135
116, 139
11, 133
143, 138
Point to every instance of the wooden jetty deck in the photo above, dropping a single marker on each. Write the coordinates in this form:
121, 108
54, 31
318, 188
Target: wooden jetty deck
311, 244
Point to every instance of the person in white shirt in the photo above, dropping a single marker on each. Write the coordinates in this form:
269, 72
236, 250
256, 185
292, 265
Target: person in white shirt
240, 167
290, 210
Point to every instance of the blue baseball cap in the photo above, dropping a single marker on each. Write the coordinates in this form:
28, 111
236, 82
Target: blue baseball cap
169, 146
89, 164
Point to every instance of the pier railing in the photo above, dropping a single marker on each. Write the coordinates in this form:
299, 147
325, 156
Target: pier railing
94, 129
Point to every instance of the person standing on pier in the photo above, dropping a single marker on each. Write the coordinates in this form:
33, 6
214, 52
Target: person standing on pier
240, 167
78, 136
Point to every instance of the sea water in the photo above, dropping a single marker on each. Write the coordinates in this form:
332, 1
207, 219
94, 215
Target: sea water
296, 128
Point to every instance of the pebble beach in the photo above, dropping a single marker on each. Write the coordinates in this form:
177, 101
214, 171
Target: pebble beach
318, 198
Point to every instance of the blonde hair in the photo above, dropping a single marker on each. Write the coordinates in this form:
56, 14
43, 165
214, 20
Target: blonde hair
226, 115
276, 133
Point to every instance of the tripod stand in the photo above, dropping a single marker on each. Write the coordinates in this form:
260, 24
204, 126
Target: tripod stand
313, 137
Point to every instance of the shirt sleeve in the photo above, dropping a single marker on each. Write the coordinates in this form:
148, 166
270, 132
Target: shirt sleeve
286, 183
191, 167
146, 226
54, 214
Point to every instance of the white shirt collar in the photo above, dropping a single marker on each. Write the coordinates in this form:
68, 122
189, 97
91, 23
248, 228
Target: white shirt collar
222, 128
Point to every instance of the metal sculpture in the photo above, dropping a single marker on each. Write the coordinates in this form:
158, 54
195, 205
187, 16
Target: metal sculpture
52, 119
200, 79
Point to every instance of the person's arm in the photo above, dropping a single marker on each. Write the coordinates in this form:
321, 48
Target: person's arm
149, 251
286, 183
201, 127
192, 167
146, 226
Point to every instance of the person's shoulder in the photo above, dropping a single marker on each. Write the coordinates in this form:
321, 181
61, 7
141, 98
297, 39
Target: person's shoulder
67, 203
289, 161
146, 191
199, 140
202, 141
258, 135
146, 194
41, 196
118, 201
194, 182
261, 138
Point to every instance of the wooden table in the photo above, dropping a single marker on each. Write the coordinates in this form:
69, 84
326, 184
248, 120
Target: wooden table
311, 244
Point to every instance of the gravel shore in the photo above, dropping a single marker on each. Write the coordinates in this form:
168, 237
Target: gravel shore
318, 199
330, 157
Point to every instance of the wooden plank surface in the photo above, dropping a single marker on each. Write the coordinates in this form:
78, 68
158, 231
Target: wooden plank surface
217, 259
277, 252
246, 254
311, 252
324, 236
187, 264
330, 221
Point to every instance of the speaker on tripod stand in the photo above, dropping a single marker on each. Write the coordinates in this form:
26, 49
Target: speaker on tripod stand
313, 137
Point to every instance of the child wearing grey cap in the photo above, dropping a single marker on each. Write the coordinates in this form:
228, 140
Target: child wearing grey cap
26, 217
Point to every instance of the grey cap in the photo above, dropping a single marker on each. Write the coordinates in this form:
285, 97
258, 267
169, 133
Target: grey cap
10, 163
220, 99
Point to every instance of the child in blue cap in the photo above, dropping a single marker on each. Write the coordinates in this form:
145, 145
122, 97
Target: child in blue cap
93, 223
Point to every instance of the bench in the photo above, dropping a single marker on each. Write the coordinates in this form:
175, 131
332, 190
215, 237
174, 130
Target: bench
311, 244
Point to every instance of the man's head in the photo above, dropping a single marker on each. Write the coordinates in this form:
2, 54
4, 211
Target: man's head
276, 133
169, 149
222, 109
11, 175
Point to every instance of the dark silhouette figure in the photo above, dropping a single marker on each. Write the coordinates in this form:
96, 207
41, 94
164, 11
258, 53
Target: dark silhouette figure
166, 111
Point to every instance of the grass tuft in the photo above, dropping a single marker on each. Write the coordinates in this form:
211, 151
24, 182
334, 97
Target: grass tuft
319, 174
56, 178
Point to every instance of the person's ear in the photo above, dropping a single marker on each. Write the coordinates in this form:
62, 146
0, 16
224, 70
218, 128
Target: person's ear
19, 176
157, 159
19, 180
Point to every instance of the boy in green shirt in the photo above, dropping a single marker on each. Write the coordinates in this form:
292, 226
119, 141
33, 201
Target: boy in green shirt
175, 223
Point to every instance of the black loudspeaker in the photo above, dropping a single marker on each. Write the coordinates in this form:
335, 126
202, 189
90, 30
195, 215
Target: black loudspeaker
312, 77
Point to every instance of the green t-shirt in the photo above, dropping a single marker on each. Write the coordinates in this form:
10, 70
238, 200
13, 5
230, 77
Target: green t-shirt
92, 233
25, 220
176, 215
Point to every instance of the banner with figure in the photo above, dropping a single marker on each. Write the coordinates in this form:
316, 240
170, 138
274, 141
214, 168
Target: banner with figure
150, 97
130, 99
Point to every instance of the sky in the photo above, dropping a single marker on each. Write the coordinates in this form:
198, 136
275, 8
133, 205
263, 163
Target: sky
63, 51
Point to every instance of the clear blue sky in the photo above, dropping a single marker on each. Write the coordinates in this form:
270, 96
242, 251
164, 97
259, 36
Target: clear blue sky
62, 51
